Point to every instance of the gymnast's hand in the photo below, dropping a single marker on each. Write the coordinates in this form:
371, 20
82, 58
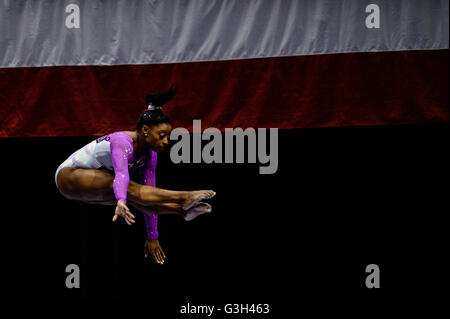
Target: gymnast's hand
123, 211
153, 247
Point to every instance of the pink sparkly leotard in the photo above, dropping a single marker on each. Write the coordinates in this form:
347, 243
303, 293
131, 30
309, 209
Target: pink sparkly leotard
114, 152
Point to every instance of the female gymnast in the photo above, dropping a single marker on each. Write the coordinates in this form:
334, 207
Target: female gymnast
104, 172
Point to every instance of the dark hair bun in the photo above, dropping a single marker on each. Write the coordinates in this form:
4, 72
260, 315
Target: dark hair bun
159, 99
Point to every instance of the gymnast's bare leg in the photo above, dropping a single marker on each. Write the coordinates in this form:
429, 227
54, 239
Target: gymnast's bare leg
93, 185
171, 208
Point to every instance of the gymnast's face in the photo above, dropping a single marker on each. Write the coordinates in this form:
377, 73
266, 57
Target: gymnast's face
158, 136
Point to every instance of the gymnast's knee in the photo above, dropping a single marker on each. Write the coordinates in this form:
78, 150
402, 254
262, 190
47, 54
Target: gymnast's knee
134, 192
64, 181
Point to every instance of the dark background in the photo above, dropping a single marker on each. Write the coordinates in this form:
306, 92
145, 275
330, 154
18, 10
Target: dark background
342, 198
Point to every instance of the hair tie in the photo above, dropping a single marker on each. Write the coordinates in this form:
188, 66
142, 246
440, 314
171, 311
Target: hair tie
152, 107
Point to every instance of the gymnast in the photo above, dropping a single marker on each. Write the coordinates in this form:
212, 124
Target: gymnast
104, 172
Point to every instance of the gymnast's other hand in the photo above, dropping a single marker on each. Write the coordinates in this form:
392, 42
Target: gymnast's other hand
123, 211
155, 250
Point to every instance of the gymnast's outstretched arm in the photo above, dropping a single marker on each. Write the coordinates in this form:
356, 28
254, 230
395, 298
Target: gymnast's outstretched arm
147, 176
121, 151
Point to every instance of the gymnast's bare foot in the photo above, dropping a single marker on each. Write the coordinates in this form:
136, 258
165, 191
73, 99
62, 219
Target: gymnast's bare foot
195, 196
196, 210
